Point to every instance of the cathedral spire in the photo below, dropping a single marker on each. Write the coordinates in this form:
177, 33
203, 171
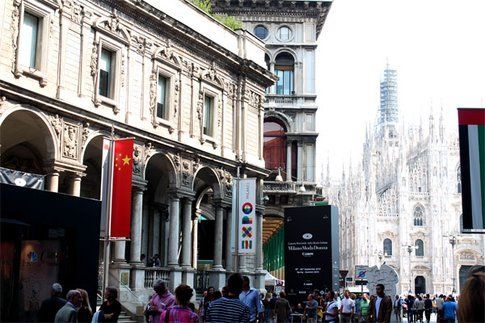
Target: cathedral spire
388, 110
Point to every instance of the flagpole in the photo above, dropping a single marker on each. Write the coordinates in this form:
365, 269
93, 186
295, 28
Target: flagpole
107, 248
236, 217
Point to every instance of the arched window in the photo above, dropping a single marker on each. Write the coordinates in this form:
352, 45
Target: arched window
284, 69
387, 247
284, 34
418, 216
274, 151
458, 179
419, 244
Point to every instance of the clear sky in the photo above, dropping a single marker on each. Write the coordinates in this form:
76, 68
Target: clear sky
437, 46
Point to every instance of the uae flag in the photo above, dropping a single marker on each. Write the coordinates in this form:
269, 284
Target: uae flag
116, 191
472, 161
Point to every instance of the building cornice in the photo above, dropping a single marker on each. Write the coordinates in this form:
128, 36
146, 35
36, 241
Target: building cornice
270, 8
156, 20
24, 96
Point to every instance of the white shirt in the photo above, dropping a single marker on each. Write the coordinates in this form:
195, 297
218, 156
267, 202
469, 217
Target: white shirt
348, 305
330, 309
378, 304
439, 303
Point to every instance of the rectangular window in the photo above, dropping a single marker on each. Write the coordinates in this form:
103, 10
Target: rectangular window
284, 86
28, 51
105, 86
208, 115
162, 97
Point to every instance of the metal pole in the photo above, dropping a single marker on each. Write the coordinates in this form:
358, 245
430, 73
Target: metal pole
108, 222
453, 242
236, 217
410, 280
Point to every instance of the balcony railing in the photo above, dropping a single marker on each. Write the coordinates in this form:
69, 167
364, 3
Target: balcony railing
290, 99
279, 187
152, 274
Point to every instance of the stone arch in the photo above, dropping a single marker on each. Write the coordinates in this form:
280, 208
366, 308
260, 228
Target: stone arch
27, 131
92, 136
274, 212
280, 116
199, 202
284, 50
209, 176
169, 166
91, 157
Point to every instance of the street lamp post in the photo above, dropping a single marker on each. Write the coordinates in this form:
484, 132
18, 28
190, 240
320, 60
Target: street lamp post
453, 243
410, 249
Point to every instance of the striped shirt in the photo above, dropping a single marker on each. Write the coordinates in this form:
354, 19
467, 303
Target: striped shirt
227, 310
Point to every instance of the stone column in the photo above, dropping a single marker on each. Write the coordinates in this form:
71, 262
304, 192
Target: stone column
195, 238
137, 275
166, 235
229, 234
218, 237
217, 276
119, 255
288, 161
156, 230
299, 165
75, 185
173, 243
145, 229
173, 239
136, 224
52, 184
186, 233
272, 89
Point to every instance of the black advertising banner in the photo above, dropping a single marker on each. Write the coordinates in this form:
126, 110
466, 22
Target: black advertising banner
311, 250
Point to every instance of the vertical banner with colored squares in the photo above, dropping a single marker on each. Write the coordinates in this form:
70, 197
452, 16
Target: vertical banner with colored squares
247, 216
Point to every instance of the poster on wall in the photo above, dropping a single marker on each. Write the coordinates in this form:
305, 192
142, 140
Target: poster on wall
247, 216
311, 250
39, 263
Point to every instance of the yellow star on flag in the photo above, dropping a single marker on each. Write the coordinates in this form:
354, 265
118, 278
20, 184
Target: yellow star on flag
126, 160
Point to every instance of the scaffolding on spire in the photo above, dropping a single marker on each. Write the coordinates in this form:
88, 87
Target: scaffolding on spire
388, 110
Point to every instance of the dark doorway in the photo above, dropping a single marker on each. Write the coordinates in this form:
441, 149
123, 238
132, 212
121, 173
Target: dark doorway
419, 285
205, 242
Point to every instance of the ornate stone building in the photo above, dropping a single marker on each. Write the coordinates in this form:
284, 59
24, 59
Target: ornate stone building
290, 30
402, 204
190, 91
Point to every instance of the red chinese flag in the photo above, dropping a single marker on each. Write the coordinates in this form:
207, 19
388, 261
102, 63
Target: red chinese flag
121, 196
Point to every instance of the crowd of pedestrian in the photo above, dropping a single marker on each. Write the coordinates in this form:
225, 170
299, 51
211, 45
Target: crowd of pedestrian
238, 302
77, 308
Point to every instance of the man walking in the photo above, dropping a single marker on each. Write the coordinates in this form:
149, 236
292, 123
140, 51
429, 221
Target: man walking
68, 313
347, 308
50, 307
397, 307
428, 308
250, 297
380, 307
449, 309
229, 308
